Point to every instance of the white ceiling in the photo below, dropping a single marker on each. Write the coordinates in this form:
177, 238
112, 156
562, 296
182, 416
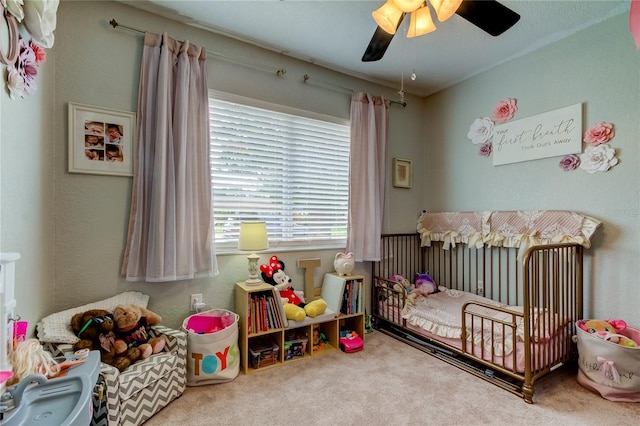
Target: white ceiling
335, 34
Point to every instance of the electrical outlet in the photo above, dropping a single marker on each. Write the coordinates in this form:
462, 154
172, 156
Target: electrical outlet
195, 298
480, 287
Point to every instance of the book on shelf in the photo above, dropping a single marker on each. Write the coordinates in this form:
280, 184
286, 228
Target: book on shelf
343, 294
263, 322
273, 313
252, 315
249, 316
351, 303
263, 313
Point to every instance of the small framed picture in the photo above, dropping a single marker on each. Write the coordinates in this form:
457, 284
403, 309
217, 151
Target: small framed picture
101, 140
401, 173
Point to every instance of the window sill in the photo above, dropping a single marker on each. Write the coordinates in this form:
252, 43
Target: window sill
289, 249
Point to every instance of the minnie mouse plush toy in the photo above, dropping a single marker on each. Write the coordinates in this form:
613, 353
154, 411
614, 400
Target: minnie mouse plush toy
295, 308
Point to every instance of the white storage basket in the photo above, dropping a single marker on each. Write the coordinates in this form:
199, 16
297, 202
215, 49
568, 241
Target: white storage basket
212, 347
608, 368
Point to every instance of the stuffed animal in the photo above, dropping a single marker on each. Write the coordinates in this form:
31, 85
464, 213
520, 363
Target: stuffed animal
396, 283
132, 327
426, 284
401, 283
609, 331
95, 329
295, 308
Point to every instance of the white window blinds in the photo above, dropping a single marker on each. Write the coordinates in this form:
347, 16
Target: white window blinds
286, 167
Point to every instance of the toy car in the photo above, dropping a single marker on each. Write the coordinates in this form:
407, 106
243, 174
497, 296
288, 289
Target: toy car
350, 341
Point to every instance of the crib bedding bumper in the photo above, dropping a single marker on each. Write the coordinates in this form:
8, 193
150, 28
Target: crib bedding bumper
452, 228
521, 229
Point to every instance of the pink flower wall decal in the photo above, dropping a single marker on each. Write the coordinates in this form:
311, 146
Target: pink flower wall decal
505, 110
21, 78
569, 162
39, 52
485, 149
599, 133
27, 67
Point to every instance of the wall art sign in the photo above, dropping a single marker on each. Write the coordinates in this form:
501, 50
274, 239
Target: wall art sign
551, 134
101, 140
401, 173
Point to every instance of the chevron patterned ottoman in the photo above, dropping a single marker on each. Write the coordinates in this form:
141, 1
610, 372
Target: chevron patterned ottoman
145, 387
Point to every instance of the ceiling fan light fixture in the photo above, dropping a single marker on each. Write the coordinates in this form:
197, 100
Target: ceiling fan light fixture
421, 23
387, 17
408, 5
445, 8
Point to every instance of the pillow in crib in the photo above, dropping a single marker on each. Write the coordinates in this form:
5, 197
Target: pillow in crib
56, 328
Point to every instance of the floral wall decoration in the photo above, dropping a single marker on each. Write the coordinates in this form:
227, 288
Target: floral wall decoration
38, 19
598, 156
481, 130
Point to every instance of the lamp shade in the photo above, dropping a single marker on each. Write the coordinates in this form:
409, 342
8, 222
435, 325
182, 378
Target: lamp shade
421, 23
387, 17
445, 8
253, 236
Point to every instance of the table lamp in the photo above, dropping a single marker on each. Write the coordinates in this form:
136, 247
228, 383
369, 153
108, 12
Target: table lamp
253, 237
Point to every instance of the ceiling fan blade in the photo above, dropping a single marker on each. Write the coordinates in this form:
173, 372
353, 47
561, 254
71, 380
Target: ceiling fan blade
488, 15
379, 44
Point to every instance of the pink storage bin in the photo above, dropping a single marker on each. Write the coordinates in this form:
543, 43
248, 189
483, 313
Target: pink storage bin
210, 321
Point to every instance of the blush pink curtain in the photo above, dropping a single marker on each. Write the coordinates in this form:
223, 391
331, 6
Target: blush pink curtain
367, 175
170, 224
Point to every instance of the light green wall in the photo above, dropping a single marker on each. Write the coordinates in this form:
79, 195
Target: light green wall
27, 209
71, 228
99, 65
598, 67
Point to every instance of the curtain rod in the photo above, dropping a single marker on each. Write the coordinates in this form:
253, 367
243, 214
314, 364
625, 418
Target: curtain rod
279, 72
307, 79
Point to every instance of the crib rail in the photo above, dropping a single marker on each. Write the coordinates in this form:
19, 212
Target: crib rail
400, 254
485, 329
553, 295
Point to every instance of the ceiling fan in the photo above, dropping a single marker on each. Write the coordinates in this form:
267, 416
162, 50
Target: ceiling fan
488, 15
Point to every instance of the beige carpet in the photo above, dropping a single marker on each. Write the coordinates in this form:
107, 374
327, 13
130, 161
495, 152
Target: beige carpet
389, 383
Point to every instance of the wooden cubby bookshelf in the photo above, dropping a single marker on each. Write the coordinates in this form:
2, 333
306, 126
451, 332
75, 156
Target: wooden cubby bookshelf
345, 295
328, 325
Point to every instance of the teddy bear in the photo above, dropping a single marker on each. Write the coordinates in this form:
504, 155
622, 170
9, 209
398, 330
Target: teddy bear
295, 308
609, 331
393, 290
95, 329
132, 327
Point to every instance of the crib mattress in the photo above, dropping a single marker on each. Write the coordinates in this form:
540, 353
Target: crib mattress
439, 318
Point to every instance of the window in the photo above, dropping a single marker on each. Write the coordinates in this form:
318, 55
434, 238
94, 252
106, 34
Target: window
287, 167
